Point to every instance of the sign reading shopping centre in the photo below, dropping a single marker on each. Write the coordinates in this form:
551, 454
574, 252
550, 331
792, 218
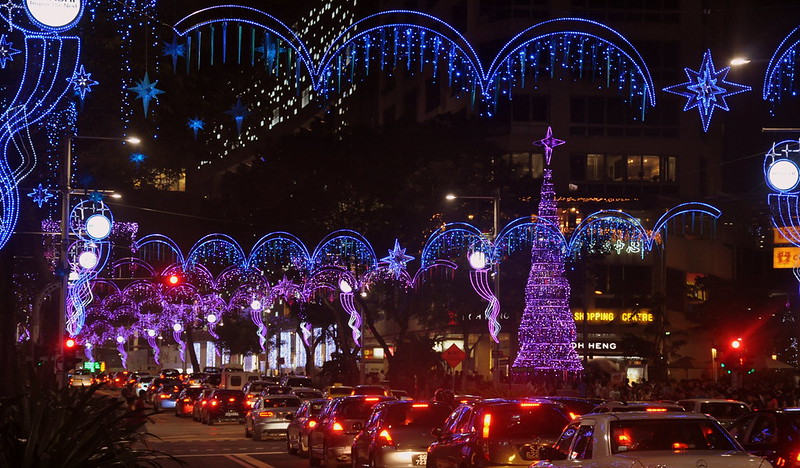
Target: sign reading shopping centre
54, 15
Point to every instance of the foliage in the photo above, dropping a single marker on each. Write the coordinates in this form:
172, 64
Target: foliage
71, 427
238, 335
414, 364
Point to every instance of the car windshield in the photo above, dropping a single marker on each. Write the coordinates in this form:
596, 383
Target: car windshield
223, 394
669, 434
308, 394
299, 382
510, 421
367, 390
315, 406
356, 408
281, 403
724, 410
340, 391
145, 379
428, 415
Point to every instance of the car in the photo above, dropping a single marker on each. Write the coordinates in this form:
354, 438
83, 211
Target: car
270, 416
252, 390
642, 439
167, 394
337, 390
80, 378
276, 390
398, 434
184, 404
331, 440
169, 374
772, 434
626, 406
223, 405
725, 411
212, 380
497, 432
305, 394
297, 381
378, 390
195, 379
305, 418
119, 379
401, 394
199, 403
574, 405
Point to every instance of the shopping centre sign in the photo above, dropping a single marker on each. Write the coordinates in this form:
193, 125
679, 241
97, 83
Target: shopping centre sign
598, 316
54, 14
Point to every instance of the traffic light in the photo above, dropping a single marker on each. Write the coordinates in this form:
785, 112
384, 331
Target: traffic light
70, 350
736, 344
173, 279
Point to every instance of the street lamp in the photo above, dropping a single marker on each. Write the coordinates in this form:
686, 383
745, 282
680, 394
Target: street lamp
495, 199
66, 191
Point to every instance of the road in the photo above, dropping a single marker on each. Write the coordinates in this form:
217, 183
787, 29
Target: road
222, 445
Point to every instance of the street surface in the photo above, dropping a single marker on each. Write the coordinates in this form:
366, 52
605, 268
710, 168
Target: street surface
222, 445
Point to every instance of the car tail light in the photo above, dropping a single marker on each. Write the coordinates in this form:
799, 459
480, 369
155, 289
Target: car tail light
203, 403
572, 415
372, 399
250, 404
116, 380
231, 399
656, 410
163, 396
529, 405
266, 414
487, 422
337, 427
187, 400
311, 424
419, 405
679, 446
384, 438
214, 403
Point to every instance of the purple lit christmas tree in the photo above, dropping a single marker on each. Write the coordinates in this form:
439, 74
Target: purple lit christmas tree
547, 330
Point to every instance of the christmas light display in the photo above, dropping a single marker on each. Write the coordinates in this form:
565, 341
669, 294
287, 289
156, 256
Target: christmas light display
781, 175
707, 89
238, 112
82, 82
397, 260
780, 79
146, 91
41, 195
7, 52
196, 124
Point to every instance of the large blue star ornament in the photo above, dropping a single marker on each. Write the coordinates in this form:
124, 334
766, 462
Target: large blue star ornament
41, 195
146, 91
707, 89
174, 49
239, 112
397, 260
82, 82
196, 124
549, 142
137, 159
6, 51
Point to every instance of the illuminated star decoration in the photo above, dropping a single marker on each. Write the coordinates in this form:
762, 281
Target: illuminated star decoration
549, 142
137, 159
10, 6
95, 196
174, 50
196, 124
397, 260
41, 195
82, 82
6, 51
706, 89
239, 112
146, 91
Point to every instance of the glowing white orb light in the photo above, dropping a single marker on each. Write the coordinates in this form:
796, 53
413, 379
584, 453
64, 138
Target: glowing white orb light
98, 226
345, 287
120, 339
477, 260
87, 260
783, 175
151, 333
255, 305
177, 327
211, 318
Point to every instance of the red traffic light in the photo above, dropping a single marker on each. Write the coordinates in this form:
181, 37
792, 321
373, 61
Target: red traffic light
173, 280
735, 344
70, 343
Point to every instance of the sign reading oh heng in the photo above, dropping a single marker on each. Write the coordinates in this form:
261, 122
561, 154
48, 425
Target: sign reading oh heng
54, 14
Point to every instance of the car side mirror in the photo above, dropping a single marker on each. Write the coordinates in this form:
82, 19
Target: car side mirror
358, 426
437, 432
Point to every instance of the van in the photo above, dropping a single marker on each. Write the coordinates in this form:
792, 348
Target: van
233, 380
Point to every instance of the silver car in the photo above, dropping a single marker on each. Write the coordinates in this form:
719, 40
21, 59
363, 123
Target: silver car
398, 433
270, 416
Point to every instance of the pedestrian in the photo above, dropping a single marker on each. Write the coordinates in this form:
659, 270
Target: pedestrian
137, 418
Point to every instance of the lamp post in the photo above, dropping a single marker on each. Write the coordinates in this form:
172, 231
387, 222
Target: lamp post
495, 199
66, 191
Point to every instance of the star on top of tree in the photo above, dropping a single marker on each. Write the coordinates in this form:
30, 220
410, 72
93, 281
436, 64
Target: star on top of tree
397, 260
706, 89
6, 51
549, 142
146, 91
82, 82
41, 195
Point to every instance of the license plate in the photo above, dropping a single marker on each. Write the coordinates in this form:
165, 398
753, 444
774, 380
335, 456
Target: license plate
529, 452
231, 413
419, 460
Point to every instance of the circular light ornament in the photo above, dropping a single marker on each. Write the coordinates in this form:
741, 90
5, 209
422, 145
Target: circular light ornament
120, 339
255, 305
87, 260
345, 287
477, 260
151, 333
211, 318
98, 226
783, 175
55, 15
177, 327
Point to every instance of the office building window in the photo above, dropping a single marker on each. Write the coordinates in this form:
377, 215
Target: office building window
619, 168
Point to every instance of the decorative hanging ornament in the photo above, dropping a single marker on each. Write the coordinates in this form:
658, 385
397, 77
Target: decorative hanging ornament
174, 49
196, 124
397, 260
82, 82
41, 195
6, 51
707, 89
549, 142
137, 159
95, 196
239, 112
146, 91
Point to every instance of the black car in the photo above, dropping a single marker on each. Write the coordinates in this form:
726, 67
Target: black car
223, 405
184, 405
772, 434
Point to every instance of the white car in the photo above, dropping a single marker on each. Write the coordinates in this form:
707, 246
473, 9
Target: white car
81, 378
725, 411
641, 439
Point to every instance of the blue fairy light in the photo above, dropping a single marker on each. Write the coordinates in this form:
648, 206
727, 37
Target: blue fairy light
397, 260
239, 112
707, 89
146, 91
41, 195
6, 51
196, 124
82, 82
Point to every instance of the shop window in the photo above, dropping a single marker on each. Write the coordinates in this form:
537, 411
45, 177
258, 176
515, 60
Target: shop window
594, 167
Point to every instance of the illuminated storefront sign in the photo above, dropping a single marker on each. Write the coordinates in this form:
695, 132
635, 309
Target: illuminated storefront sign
786, 257
601, 316
54, 14
596, 345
